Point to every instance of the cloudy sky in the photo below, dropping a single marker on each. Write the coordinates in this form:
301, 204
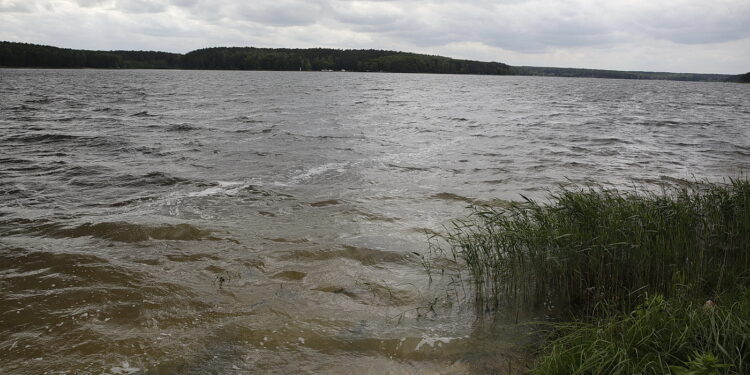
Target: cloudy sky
702, 36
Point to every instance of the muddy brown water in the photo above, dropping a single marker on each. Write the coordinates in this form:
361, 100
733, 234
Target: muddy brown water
192, 222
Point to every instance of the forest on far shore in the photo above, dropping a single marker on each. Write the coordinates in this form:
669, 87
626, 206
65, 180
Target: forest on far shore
26, 55
244, 58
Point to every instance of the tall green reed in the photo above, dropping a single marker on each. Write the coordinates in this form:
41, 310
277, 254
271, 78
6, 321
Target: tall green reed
588, 246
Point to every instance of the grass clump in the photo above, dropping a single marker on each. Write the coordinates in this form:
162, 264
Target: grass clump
587, 247
638, 283
659, 337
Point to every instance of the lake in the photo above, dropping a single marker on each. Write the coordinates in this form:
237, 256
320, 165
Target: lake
233, 222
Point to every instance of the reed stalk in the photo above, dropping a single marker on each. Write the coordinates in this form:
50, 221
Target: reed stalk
589, 246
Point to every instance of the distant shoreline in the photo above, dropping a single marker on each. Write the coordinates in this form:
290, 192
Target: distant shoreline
34, 56
320, 71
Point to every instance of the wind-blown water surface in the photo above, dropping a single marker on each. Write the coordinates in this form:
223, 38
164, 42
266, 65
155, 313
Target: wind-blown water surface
230, 222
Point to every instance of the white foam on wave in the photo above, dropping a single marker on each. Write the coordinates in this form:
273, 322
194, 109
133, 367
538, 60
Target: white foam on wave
174, 201
314, 171
124, 368
224, 188
432, 341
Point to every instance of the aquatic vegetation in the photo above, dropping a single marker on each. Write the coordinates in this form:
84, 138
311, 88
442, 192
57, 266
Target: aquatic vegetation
659, 337
588, 246
634, 282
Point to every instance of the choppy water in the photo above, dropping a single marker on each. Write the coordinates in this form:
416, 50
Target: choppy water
262, 222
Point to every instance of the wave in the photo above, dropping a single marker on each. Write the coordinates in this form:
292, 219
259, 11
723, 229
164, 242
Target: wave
63, 268
61, 138
23, 107
223, 188
314, 172
41, 138
152, 178
363, 255
86, 171
255, 131
474, 201
92, 176
330, 202
609, 141
124, 232
453, 197
8, 161
249, 120
142, 114
42, 100
181, 128
82, 301
71, 119
408, 168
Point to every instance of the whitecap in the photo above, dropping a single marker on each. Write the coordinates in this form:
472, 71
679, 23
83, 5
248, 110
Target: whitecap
432, 341
125, 368
315, 171
224, 188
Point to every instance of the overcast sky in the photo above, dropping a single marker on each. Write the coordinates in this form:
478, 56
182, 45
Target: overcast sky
702, 36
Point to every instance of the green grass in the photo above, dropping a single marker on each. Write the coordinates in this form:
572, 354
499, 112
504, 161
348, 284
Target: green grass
588, 247
659, 337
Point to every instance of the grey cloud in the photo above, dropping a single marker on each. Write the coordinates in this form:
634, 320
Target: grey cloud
156, 29
141, 6
538, 27
184, 3
529, 29
281, 12
549, 34
378, 14
520, 25
93, 3
15, 6
701, 28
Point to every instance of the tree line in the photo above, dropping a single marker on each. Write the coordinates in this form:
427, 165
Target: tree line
249, 58
741, 78
244, 58
618, 74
